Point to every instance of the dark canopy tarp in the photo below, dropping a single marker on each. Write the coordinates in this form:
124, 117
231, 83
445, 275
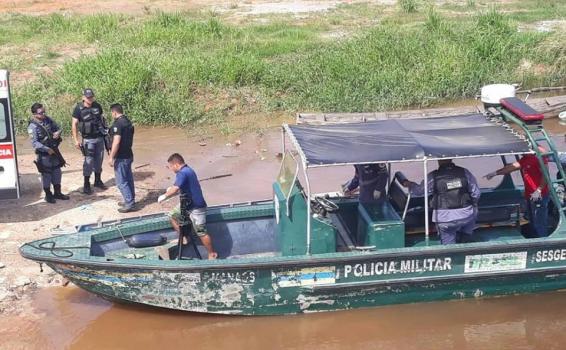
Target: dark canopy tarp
404, 139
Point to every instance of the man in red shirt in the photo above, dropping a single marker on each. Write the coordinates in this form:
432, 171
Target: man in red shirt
536, 191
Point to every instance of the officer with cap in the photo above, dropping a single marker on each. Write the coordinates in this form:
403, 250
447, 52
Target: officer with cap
45, 137
88, 119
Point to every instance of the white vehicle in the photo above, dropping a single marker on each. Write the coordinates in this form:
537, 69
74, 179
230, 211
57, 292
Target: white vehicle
9, 181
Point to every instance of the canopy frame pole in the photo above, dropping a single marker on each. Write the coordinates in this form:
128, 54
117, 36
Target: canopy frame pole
308, 200
425, 168
283, 141
388, 180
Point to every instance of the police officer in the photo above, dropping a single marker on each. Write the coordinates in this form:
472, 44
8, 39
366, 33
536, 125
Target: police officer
88, 119
371, 179
455, 196
121, 156
45, 137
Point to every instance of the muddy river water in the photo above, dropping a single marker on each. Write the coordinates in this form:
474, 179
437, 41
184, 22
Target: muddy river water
72, 318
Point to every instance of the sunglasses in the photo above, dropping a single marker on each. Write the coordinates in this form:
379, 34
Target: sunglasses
40, 113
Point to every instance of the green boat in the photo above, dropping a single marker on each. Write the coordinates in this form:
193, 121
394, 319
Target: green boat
302, 252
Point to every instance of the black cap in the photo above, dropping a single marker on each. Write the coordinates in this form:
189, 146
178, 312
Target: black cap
88, 92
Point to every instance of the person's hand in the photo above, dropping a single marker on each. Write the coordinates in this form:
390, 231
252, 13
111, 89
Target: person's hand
111, 162
406, 183
490, 175
57, 134
50, 151
536, 195
77, 145
161, 198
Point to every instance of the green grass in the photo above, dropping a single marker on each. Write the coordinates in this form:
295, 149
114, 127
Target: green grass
186, 69
408, 6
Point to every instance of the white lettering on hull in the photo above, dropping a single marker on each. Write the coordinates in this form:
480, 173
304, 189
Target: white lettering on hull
550, 255
379, 268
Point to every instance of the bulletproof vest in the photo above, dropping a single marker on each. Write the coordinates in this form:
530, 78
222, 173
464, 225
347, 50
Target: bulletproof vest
370, 173
45, 132
90, 122
450, 188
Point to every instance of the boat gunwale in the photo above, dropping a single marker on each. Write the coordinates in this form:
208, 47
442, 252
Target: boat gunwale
306, 260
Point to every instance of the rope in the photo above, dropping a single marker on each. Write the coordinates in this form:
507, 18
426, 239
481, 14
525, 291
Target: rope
121, 235
56, 251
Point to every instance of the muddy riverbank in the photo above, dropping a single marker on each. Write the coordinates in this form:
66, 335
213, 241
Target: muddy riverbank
249, 160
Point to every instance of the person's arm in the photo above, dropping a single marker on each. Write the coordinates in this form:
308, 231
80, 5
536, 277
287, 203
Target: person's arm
353, 183
102, 117
170, 192
74, 127
473, 187
115, 145
114, 148
418, 189
38, 146
508, 169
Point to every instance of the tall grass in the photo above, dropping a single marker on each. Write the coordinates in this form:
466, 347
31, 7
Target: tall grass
408, 6
174, 69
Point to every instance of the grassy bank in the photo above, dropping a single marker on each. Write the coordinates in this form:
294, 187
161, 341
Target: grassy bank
188, 69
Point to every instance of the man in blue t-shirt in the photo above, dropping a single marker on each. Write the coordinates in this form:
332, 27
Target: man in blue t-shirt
186, 182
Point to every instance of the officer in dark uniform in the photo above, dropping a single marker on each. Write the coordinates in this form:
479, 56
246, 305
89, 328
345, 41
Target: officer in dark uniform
371, 179
45, 137
121, 157
88, 119
455, 196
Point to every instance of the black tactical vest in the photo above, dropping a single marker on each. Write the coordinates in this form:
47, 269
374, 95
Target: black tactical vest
45, 132
90, 121
450, 188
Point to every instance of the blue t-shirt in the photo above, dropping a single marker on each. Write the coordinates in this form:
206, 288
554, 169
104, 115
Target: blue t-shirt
187, 181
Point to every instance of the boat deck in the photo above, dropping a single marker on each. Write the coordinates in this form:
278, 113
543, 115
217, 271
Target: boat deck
491, 234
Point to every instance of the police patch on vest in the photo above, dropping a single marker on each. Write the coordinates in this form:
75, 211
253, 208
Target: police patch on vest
454, 184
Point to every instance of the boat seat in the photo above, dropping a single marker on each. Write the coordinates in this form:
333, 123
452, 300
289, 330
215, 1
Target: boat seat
380, 226
522, 110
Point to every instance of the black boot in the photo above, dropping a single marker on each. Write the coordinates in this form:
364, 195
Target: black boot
86, 187
98, 182
57, 193
48, 195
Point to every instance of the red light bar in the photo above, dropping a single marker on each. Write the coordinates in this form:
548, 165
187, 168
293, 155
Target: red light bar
522, 110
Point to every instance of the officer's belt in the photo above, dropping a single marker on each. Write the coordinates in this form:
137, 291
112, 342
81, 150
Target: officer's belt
368, 182
92, 137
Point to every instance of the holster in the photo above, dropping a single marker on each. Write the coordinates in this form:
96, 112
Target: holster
40, 167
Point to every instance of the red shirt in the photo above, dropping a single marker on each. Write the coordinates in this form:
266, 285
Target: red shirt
532, 174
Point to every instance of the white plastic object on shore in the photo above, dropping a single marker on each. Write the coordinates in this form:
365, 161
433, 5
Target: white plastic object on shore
492, 94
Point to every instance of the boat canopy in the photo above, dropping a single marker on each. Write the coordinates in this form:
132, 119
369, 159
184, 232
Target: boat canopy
399, 140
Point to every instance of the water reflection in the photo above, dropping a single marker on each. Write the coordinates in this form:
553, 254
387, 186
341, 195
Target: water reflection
78, 320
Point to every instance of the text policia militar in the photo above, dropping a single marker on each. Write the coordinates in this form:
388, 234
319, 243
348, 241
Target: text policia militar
399, 266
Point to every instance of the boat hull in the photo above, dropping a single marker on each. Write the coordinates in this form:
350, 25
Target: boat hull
335, 282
